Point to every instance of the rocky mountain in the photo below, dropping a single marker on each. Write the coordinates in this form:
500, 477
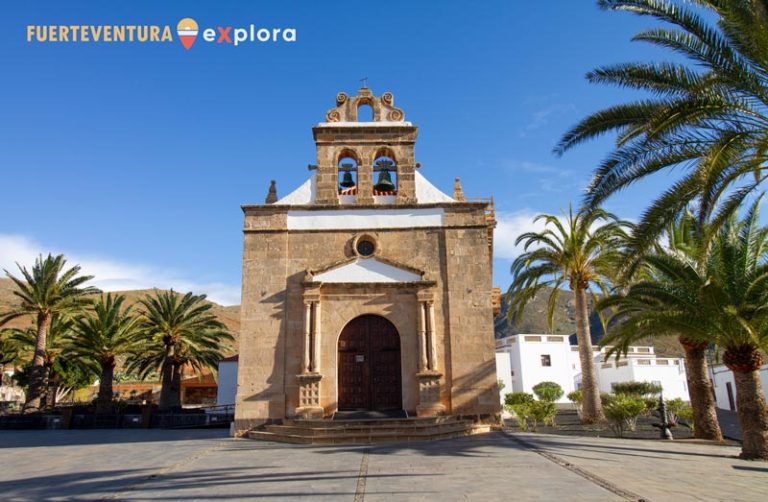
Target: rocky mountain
534, 320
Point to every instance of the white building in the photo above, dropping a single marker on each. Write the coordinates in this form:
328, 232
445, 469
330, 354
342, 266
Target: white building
538, 358
504, 373
227, 381
642, 365
535, 358
9, 392
725, 386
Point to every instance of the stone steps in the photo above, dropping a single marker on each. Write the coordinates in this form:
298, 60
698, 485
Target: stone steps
373, 422
367, 432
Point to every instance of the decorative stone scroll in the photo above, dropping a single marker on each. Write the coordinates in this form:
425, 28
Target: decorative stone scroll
383, 107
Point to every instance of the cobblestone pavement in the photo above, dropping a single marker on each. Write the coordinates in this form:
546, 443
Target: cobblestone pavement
661, 470
206, 465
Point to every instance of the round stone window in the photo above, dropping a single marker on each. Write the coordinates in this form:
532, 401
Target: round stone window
365, 247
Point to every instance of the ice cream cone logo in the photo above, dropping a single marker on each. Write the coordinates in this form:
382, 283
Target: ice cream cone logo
187, 32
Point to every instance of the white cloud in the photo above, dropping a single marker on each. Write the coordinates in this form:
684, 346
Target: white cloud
509, 226
543, 116
113, 275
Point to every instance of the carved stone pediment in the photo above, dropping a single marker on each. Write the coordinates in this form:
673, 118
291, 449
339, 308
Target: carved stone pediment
383, 107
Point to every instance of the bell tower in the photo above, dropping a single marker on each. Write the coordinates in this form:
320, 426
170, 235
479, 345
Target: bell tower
365, 163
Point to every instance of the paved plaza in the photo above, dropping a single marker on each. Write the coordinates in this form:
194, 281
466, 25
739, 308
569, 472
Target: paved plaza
207, 465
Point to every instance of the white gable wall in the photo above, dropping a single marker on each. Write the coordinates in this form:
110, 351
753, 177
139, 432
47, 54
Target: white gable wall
367, 270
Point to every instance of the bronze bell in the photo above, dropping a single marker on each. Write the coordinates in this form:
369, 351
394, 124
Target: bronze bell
347, 181
385, 182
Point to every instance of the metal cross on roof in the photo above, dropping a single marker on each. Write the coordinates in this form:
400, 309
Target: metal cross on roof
364, 82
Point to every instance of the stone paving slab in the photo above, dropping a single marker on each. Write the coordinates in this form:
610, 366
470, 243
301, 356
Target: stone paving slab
662, 470
206, 465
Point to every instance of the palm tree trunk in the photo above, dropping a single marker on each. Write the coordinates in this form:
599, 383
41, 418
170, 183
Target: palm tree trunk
52, 388
104, 400
592, 410
705, 421
176, 385
753, 416
38, 373
166, 393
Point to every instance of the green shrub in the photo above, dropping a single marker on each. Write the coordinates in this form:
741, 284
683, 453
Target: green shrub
575, 397
541, 412
622, 413
548, 391
520, 403
514, 398
638, 389
651, 404
606, 399
678, 409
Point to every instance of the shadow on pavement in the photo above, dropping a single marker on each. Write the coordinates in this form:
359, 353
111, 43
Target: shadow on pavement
45, 438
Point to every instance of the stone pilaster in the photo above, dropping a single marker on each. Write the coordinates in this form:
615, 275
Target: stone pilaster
309, 379
428, 376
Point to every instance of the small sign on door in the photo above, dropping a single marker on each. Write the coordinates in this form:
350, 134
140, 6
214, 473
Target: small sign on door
359, 358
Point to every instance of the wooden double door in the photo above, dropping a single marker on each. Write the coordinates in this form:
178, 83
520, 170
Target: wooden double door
369, 365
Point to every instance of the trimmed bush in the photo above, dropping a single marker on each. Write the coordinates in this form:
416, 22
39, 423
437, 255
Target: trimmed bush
541, 412
622, 413
519, 403
639, 389
575, 396
548, 391
515, 398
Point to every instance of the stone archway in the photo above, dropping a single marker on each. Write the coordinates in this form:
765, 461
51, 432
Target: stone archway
369, 375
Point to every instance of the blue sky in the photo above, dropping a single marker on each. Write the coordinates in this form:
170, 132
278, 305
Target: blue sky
134, 159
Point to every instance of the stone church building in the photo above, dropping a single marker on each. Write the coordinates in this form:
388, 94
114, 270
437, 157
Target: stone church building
366, 288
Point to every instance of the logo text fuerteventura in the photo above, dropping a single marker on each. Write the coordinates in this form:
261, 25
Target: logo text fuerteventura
187, 31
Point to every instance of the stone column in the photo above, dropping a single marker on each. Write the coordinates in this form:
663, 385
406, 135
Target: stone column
423, 364
316, 330
428, 377
432, 336
310, 377
307, 334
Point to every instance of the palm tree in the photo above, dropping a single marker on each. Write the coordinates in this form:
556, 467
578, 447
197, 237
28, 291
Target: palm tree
57, 342
105, 335
583, 252
178, 331
723, 302
707, 119
45, 291
686, 239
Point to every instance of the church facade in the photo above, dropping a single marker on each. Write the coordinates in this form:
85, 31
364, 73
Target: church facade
367, 288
